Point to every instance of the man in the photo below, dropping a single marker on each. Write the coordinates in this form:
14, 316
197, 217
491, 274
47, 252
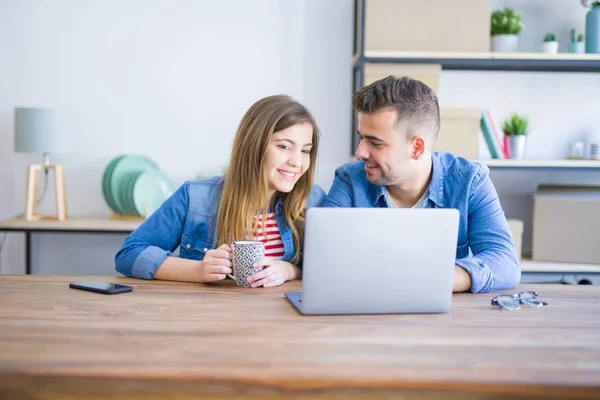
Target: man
398, 123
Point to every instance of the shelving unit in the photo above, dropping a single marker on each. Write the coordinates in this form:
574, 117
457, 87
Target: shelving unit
545, 267
480, 59
473, 61
539, 62
569, 164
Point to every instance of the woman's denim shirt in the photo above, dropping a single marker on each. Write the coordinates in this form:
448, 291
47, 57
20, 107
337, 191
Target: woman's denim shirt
187, 220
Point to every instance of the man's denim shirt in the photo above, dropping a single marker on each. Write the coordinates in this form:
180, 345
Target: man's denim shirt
455, 183
187, 220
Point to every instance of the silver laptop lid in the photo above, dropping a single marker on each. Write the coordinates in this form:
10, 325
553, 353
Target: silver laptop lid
378, 260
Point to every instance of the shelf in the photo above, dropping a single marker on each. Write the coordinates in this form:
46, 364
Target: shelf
487, 61
497, 163
583, 164
558, 267
121, 225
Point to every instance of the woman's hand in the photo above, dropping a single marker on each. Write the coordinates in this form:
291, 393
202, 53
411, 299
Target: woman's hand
216, 264
275, 272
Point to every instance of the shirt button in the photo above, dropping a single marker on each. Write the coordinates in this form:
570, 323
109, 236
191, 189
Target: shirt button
187, 246
205, 249
283, 225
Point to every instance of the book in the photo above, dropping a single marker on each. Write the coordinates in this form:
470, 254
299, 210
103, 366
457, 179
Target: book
488, 133
497, 134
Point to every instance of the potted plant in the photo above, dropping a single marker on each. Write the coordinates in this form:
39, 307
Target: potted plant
592, 26
505, 27
515, 135
550, 45
576, 43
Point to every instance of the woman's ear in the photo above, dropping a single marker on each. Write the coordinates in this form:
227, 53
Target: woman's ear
418, 147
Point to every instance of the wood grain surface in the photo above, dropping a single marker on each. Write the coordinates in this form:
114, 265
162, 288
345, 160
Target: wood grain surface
169, 340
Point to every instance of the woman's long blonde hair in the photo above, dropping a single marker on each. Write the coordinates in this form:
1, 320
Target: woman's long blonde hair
245, 187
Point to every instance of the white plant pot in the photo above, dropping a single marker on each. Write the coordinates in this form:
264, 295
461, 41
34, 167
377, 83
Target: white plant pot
504, 43
517, 146
550, 47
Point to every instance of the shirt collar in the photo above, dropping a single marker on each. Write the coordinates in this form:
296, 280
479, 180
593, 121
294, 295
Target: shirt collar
376, 194
436, 186
279, 204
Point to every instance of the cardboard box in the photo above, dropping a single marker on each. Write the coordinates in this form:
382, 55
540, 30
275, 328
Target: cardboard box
427, 26
459, 132
566, 222
429, 74
516, 230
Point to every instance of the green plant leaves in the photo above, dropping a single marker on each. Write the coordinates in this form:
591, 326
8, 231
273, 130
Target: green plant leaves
516, 125
506, 22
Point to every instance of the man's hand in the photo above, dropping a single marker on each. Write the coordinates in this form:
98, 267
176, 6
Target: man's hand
216, 264
275, 272
462, 280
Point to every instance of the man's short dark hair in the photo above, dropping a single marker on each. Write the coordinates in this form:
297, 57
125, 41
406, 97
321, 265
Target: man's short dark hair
414, 101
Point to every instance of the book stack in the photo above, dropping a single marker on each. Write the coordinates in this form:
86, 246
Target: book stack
492, 136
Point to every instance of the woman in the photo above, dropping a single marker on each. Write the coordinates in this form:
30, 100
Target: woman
272, 168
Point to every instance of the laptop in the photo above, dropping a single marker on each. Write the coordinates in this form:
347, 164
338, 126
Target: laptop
377, 261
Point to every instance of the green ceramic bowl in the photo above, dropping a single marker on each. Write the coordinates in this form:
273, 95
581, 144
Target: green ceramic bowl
120, 172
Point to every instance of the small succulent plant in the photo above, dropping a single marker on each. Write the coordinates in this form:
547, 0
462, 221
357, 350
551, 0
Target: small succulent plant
551, 37
575, 37
516, 125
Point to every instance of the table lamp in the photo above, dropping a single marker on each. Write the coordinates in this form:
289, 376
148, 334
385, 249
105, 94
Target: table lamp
35, 133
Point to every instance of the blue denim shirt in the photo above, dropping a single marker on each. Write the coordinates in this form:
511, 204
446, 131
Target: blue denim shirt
457, 183
187, 220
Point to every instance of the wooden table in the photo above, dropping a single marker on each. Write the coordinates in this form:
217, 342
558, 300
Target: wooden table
71, 225
176, 340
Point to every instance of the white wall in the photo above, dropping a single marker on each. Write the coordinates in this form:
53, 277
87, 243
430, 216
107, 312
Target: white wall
171, 79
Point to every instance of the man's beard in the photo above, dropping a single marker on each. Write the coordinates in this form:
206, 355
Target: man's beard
382, 180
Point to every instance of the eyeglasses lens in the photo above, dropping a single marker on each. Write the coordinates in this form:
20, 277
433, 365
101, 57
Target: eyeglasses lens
509, 302
531, 299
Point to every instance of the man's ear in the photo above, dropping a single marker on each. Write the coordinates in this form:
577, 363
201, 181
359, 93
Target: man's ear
418, 147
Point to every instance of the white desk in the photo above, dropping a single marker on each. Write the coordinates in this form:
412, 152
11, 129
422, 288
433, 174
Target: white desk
559, 267
549, 267
71, 225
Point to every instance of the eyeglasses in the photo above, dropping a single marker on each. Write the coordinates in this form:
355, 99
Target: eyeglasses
513, 302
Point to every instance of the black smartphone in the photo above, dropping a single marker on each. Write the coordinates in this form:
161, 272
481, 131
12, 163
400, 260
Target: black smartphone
101, 287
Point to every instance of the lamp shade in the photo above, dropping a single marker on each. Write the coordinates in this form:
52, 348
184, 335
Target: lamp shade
35, 131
